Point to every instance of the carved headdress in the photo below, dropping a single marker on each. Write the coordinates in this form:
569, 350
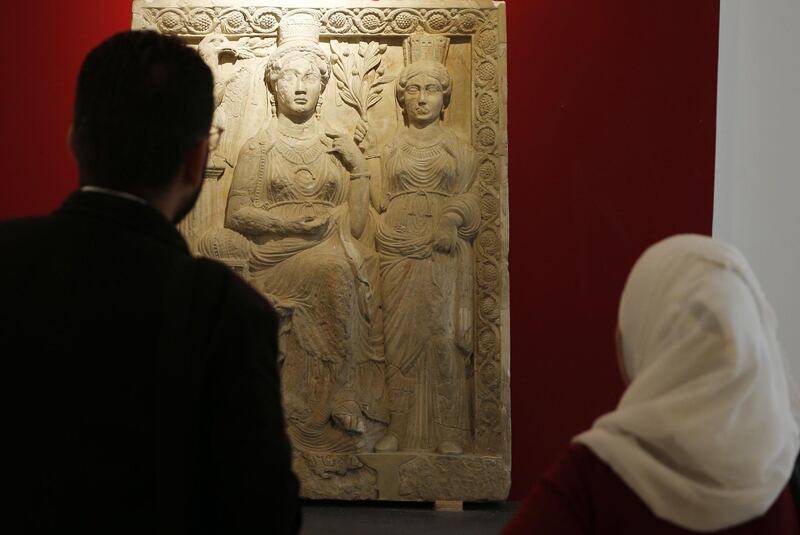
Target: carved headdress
422, 46
302, 27
298, 33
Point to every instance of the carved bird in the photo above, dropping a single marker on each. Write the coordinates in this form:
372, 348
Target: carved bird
211, 48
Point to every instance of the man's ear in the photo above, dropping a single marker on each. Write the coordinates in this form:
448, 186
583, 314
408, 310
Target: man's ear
194, 165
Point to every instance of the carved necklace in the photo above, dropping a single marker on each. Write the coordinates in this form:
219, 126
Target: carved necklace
423, 141
422, 165
422, 153
300, 154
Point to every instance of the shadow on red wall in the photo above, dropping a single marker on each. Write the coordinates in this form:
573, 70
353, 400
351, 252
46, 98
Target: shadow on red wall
612, 111
41, 63
612, 122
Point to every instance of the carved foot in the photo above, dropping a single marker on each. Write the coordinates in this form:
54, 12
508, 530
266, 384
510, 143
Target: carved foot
387, 444
348, 416
449, 447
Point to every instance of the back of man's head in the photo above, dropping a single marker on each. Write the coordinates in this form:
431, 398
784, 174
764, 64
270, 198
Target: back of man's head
143, 101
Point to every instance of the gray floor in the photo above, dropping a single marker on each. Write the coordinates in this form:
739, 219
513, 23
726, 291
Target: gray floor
394, 518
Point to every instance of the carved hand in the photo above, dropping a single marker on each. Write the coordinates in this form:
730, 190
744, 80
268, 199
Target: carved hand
348, 152
445, 235
311, 225
365, 138
348, 416
251, 220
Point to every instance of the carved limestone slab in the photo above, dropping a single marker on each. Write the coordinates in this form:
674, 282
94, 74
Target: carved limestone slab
359, 182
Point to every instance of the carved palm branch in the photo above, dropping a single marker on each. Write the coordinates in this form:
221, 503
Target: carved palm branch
359, 77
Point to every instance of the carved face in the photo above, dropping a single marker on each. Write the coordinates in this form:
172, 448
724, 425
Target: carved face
297, 88
424, 100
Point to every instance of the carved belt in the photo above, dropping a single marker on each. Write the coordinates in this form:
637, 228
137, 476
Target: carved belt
422, 193
425, 192
308, 204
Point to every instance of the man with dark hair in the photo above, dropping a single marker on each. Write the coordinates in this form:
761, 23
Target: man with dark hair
145, 381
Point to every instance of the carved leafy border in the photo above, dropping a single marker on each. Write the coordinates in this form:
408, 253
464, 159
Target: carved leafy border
237, 21
491, 429
487, 139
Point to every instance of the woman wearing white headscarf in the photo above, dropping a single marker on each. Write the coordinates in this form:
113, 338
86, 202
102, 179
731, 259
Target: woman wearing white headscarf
704, 438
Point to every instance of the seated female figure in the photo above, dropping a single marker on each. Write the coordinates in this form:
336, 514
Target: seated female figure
298, 201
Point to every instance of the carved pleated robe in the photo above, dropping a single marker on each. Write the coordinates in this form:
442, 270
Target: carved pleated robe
427, 295
325, 285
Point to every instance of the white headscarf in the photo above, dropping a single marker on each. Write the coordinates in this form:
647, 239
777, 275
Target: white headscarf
704, 433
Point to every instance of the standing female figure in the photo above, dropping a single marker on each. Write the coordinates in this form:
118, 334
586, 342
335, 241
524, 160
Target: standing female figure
429, 216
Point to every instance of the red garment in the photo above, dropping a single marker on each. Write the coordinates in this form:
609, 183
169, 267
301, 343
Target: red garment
581, 495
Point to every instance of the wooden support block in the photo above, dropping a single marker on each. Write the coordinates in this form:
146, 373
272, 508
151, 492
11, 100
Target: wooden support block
449, 506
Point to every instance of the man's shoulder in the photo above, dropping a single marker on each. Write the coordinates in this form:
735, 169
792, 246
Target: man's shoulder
225, 311
15, 228
237, 293
21, 239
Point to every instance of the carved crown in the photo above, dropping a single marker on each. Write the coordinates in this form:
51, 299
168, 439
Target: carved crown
302, 27
424, 46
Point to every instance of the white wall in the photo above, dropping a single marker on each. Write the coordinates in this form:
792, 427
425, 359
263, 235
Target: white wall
757, 185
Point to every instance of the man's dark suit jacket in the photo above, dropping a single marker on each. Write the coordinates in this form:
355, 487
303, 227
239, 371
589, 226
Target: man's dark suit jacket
143, 381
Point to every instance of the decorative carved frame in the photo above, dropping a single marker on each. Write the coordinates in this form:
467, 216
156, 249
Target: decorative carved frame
483, 21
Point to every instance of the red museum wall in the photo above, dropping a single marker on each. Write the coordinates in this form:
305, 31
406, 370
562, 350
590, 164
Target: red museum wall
611, 127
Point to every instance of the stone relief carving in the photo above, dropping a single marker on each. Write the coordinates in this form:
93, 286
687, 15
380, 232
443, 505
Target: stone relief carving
222, 56
429, 216
244, 20
360, 186
341, 476
297, 205
430, 478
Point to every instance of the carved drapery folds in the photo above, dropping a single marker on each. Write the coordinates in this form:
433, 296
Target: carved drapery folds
361, 186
